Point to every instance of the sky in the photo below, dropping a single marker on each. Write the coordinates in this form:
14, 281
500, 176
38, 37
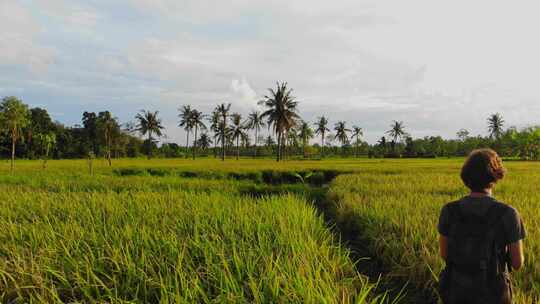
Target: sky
438, 66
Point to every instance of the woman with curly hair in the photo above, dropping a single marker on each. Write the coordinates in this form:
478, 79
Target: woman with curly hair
480, 237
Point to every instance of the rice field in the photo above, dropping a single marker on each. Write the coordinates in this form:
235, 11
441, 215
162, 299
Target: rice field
395, 210
247, 231
156, 237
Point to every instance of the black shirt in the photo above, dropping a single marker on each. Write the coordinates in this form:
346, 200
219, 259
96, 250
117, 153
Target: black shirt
513, 229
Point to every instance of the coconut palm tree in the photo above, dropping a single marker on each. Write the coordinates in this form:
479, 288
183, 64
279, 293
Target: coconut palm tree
462, 134
237, 131
281, 113
148, 123
204, 142
197, 121
14, 116
396, 132
223, 110
214, 121
321, 127
107, 127
357, 133
495, 125
185, 121
341, 132
305, 133
255, 122
46, 141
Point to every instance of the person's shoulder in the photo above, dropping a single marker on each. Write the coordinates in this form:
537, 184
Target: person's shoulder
506, 210
450, 205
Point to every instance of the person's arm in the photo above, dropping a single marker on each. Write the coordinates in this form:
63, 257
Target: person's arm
516, 254
443, 246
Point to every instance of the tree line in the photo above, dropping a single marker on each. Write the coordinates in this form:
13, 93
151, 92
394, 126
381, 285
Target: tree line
31, 133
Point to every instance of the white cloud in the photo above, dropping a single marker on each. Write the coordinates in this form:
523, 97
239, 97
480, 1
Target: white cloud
242, 94
17, 39
433, 65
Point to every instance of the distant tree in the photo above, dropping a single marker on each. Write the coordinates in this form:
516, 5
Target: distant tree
255, 122
185, 121
46, 141
281, 113
357, 133
89, 121
237, 131
40, 123
197, 121
462, 134
204, 142
495, 125
223, 110
321, 127
396, 132
214, 121
382, 144
109, 129
305, 133
14, 117
269, 141
148, 123
341, 132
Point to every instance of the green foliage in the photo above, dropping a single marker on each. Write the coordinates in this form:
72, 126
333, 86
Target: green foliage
393, 208
144, 235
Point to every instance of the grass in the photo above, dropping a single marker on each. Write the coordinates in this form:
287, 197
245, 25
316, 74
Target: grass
395, 212
177, 230
66, 236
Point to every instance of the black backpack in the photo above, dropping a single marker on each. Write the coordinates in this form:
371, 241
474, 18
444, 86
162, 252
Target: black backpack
476, 264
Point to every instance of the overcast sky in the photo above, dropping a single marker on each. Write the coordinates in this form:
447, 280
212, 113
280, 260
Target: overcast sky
436, 65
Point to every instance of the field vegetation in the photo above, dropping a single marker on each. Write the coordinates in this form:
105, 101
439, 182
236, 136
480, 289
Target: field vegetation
167, 234
178, 230
392, 212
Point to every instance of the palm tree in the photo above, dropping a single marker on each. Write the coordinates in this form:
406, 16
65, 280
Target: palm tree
185, 121
46, 141
255, 122
495, 125
382, 144
356, 133
341, 132
107, 126
462, 134
396, 132
197, 119
305, 133
214, 121
204, 142
281, 113
14, 116
237, 131
223, 110
149, 123
321, 127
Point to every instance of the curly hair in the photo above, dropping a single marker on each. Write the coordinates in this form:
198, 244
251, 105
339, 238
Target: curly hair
482, 169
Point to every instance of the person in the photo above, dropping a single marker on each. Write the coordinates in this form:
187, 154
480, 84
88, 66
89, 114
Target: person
480, 238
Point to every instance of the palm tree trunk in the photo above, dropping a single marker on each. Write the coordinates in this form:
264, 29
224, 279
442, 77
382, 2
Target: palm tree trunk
215, 146
187, 144
195, 142
278, 149
149, 144
223, 146
255, 144
12, 154
322, 147
237, 147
